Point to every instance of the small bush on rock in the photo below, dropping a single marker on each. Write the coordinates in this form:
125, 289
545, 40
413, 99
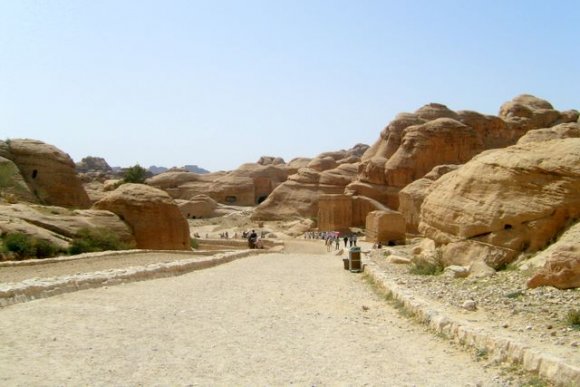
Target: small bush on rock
90, 240
425, 268
427, 264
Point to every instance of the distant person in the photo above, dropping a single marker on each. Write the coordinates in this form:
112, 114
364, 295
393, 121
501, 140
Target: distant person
252, 239
345, 240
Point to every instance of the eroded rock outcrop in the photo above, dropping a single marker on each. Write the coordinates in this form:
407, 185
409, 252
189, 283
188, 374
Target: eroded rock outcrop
299, 195
57, 224
414, 143
504, 202
153, 216
248, 185
48, 172
200, 206
411, 197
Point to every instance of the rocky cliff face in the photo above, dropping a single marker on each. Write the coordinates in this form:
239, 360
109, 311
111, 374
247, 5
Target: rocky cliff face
414, 143
504, 202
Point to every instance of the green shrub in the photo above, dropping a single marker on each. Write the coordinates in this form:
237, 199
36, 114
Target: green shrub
426, 268
194, 243
90, 240
46, 249
135, 174
573, 318
23, 246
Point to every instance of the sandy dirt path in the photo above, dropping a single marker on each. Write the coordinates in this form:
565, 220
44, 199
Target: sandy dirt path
273, 319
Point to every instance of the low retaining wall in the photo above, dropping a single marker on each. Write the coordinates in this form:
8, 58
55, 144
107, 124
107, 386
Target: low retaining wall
551, 368
32, 289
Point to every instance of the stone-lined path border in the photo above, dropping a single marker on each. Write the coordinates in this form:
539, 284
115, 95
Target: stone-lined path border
31, 289
551, 368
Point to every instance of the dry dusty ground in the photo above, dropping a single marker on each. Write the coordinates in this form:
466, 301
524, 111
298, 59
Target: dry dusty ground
295, 318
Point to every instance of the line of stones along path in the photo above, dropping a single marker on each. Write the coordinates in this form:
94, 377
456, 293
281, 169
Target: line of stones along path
273, 319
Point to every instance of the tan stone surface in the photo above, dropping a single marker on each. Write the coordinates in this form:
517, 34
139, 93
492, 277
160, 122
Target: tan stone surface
568, 130
152, 214
411, 197
335, 212
562, 262
386, 227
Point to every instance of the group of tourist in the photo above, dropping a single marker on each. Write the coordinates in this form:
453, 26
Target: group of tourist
332, 238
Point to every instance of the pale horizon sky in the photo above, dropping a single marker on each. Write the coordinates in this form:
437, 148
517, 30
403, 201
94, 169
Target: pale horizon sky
221, 83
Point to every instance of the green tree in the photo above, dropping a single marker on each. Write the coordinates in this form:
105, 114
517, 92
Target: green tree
135, 174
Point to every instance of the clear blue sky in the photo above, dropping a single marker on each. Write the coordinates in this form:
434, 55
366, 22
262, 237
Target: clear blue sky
219, 83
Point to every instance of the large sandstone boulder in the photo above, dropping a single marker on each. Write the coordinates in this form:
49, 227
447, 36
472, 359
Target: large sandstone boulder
57, 224
154, 217
505, 201
48, 172
562, 264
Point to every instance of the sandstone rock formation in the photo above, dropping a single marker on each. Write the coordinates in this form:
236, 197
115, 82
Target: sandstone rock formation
57, 224
329, 173
414, 143
153, 216
48, 172
527, 112
200, 206
411, 197
386, 227
568, 130
93, 164
504, 202
248, 185
562, 267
